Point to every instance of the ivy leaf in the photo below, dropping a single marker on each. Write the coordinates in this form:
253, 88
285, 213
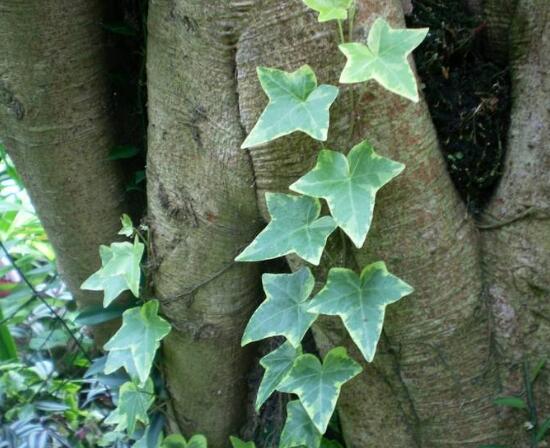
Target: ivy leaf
127, 226
295, 227
134, 402
330, 9
349, 185
318, 385
299, 430
284, 312
238, 443
134, 345
277, 364
361, 302
296, 103
178, 441
120, 270
384, 59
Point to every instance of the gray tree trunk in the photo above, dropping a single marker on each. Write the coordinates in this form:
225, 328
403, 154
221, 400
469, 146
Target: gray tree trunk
55, 122
517, 222
202, 212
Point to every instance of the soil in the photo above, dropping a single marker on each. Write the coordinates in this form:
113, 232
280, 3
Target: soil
468, 95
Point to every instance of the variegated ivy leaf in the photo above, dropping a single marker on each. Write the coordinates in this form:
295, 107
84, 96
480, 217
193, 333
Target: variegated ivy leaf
277, 364
120, 270
295, 227
134, 402
349, 185
330, 9
238, 443
318, 385
361, 302
127, 226
284, 311
296, 103
384, 58
299, 430
134, 345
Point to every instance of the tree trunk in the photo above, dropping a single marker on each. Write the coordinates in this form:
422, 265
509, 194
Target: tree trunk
55, 121
433, 380
517, 230
202, 212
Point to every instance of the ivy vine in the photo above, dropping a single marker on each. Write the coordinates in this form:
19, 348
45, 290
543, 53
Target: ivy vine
348, 184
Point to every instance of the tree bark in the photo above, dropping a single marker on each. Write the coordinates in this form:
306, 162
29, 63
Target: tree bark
202, 212
433, 381
55, 122
516, 226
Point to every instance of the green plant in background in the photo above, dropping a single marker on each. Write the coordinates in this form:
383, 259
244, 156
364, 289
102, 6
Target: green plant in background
44, 400
538, 428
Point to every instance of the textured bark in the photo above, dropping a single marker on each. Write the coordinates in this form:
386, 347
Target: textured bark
498, 15
517, 230
433, 380
55, 122
202, 212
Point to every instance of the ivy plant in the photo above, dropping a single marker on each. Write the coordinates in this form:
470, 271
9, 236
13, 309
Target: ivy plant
349, 184
384, 58
296, 103
133, 348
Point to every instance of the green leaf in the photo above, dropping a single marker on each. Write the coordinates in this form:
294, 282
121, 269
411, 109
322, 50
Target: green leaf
299, 430
295, 104
123, 152
127, 226
511, 402
284, 312
384, 59
326, 443
330, 9
360, 301
295, 227
178, 441
349, 185
238, 443
95, 315
318, 385
134, 345
277, 364
8, 352
120, 270
544, 428
134, 402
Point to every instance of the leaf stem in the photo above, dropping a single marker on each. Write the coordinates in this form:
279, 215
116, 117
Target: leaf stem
351, 19
341, 32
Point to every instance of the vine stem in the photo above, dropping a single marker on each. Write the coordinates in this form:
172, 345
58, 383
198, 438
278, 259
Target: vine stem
341, 32
351, 19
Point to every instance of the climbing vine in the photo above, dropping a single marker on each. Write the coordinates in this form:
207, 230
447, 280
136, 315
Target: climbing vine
348, 184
